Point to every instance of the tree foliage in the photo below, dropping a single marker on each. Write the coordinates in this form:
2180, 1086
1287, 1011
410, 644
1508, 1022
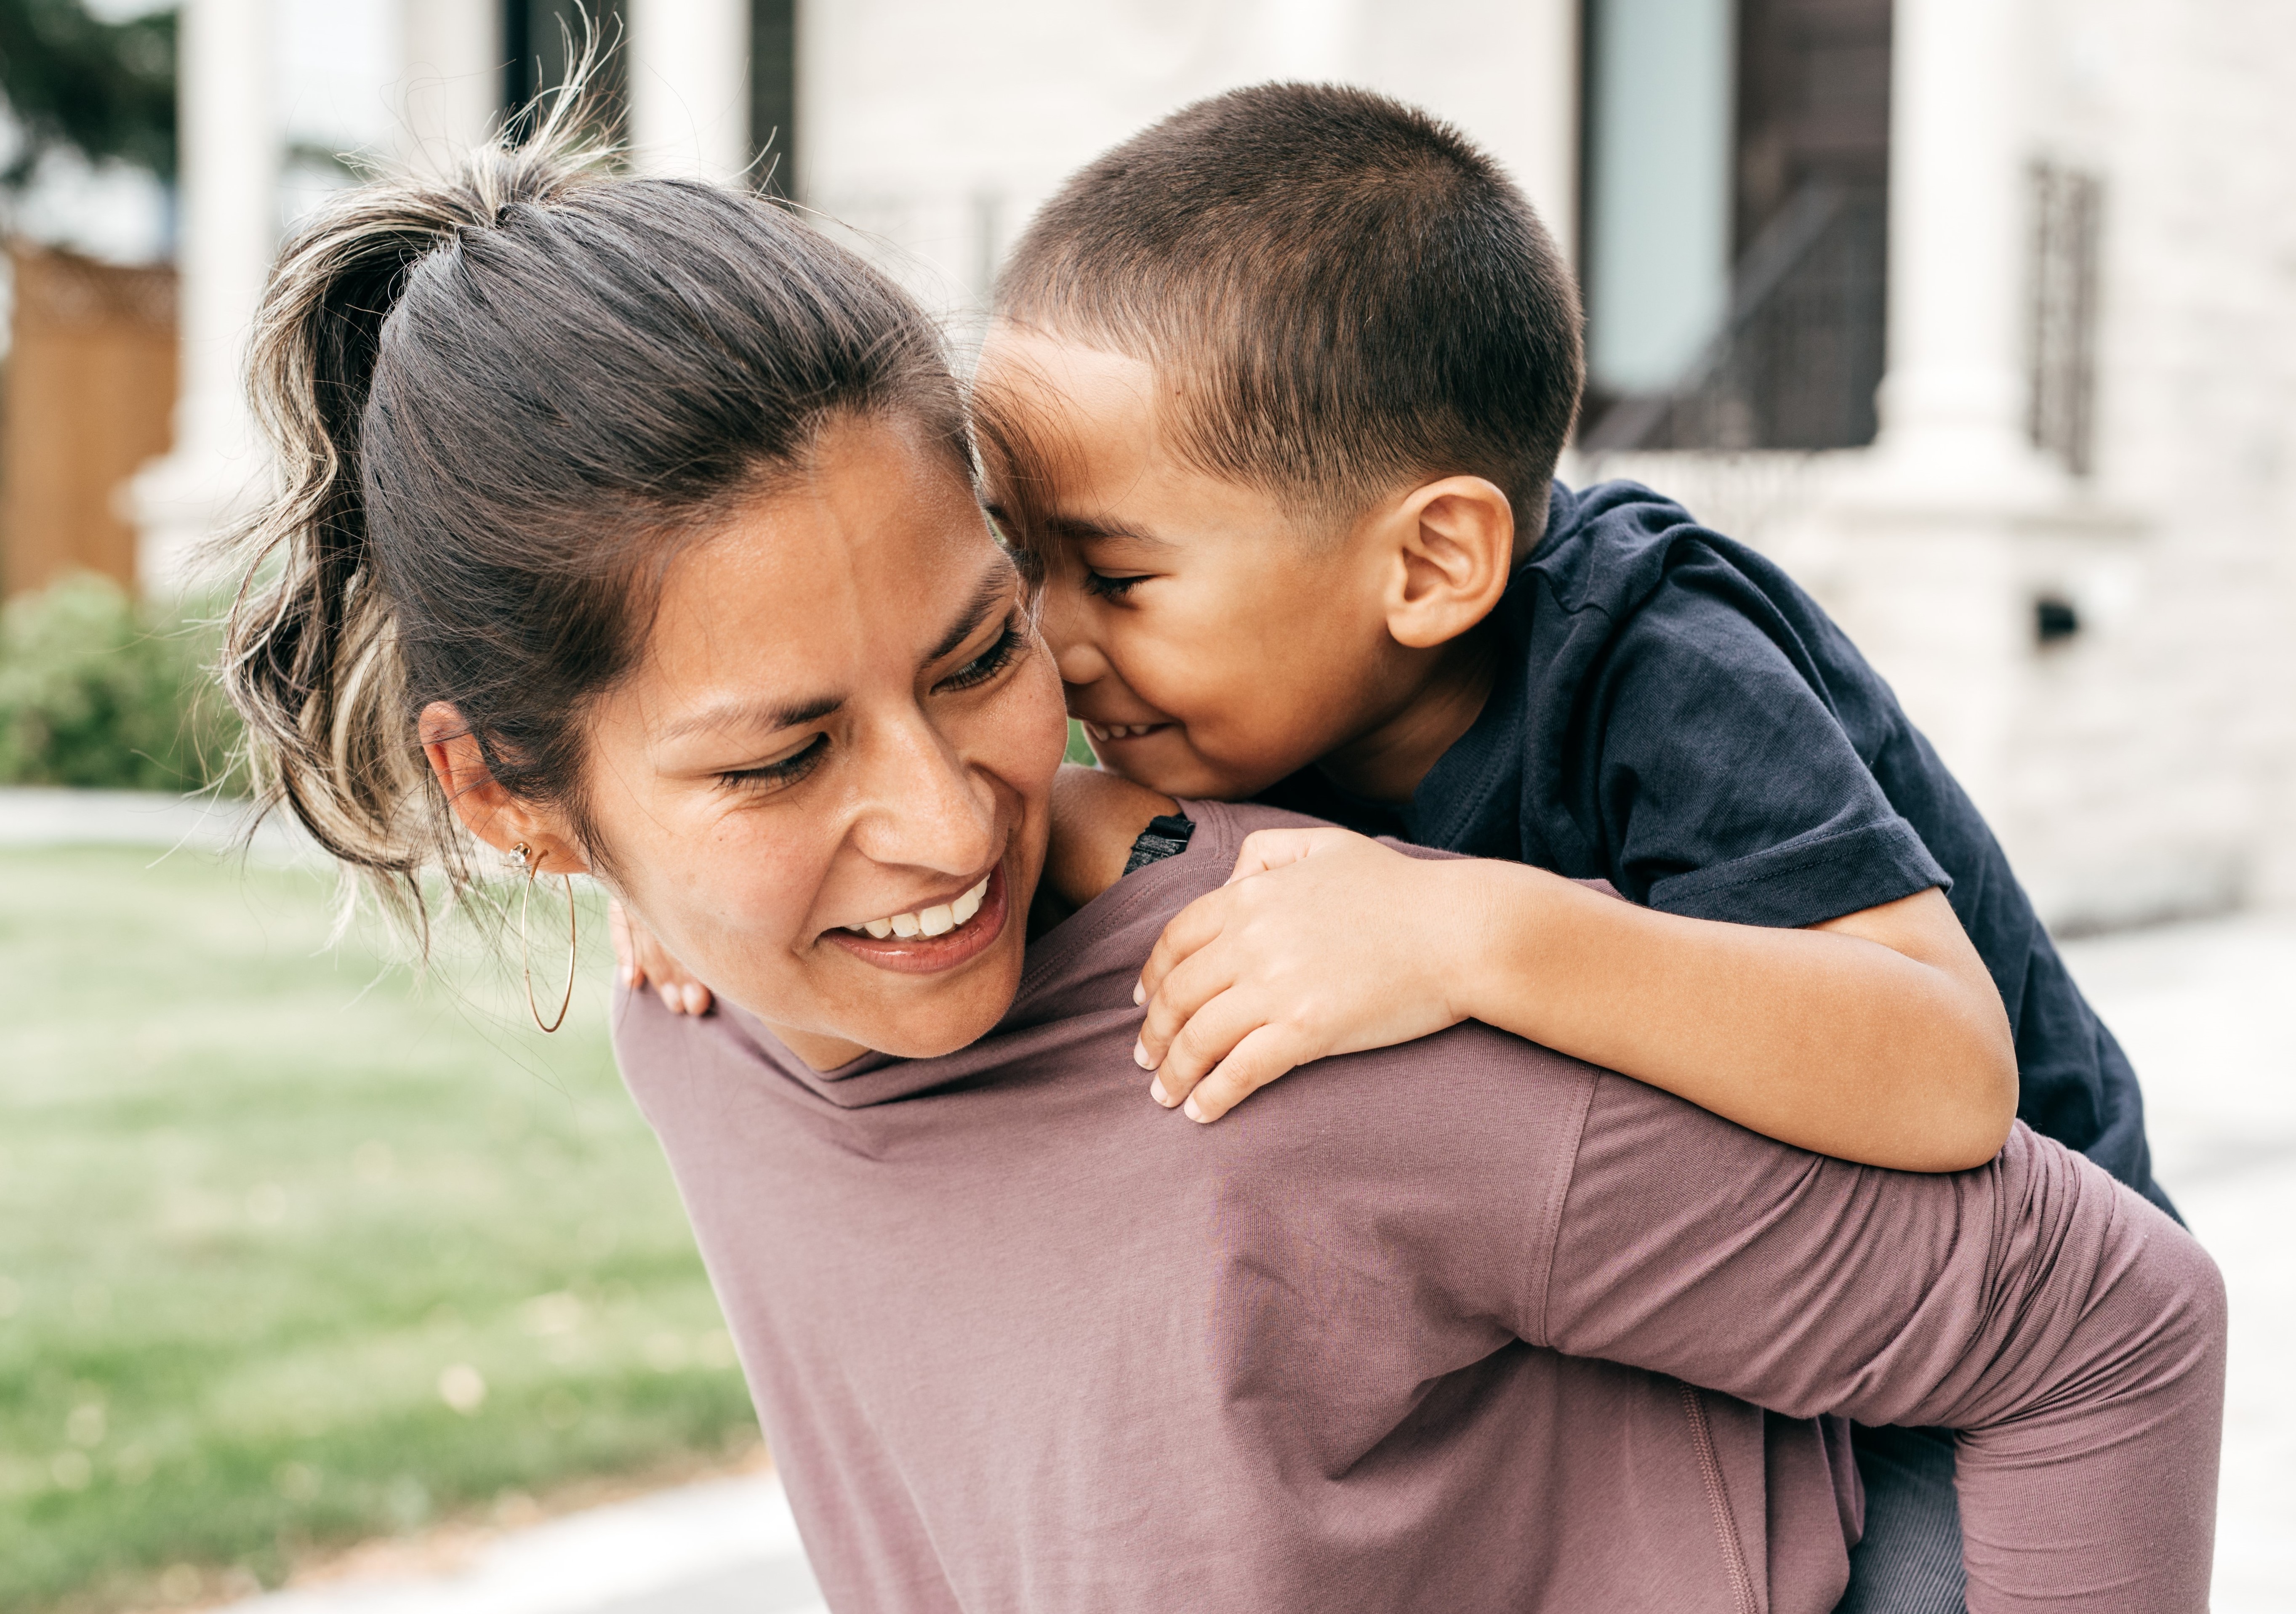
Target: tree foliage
74, 80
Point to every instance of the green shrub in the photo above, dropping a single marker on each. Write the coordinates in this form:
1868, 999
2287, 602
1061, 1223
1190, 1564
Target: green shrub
98, 691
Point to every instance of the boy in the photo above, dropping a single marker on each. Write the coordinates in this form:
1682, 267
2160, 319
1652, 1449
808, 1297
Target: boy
1275, 395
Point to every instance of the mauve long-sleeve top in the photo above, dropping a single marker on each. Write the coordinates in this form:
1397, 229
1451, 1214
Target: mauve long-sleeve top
1414, 1329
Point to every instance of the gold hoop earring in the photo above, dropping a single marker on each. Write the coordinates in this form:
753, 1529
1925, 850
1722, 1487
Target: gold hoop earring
525, 964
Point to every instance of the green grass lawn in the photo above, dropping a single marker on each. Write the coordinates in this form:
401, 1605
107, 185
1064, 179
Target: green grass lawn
296, 1248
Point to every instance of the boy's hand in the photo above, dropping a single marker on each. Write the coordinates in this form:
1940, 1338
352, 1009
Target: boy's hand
1321, 942
643, 959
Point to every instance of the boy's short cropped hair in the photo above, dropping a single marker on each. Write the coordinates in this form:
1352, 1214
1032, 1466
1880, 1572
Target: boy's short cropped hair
1345, 291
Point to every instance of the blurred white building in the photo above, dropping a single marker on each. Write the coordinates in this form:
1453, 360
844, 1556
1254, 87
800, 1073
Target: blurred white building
1980, 313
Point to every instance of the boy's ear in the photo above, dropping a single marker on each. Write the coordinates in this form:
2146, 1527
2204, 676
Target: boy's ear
487, 810
1453, 547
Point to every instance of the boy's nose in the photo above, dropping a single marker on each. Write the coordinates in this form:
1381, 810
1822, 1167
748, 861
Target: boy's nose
1074, 651
1080, 664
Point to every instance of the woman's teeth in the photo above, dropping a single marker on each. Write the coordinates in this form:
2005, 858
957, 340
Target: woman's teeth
1118, 731
930, 922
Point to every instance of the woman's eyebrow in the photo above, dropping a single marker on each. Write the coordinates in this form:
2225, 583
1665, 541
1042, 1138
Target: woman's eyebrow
995, 587
750, 715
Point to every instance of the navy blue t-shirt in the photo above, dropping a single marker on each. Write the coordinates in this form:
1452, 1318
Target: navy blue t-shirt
1673, 715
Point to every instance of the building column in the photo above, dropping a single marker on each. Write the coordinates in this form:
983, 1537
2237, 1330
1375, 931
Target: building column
1938, 544
690, 88
451, 91
1953, 400
229, 164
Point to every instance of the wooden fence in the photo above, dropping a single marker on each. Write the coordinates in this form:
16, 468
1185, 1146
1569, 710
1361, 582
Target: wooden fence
90, 388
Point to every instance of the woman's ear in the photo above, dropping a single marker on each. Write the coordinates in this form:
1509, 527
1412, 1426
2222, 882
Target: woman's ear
1455, 549
487, 810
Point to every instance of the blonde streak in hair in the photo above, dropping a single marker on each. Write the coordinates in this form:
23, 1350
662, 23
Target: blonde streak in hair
329, 736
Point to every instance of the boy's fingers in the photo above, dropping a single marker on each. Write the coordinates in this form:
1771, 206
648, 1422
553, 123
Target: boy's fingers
1265, 849
1256, 1061
1193, 982
647, 961
1189, 930
1211, 1033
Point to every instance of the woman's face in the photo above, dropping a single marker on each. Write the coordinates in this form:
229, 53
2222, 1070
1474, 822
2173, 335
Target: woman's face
844, 725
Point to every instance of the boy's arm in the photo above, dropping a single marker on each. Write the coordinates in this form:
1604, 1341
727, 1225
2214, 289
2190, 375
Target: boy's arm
1877, 1037
2070, 1333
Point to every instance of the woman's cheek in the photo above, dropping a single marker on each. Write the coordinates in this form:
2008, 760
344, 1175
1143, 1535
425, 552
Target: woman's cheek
763, 891
1037, 731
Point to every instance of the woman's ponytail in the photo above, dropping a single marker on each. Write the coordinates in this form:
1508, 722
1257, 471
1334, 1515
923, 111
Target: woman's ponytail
311, 659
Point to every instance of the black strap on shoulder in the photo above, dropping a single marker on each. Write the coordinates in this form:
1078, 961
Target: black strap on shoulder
1165, 836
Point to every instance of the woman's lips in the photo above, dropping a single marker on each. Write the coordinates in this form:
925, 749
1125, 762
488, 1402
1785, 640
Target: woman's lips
923, 954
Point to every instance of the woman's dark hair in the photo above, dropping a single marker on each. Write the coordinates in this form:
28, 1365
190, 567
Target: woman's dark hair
499, 400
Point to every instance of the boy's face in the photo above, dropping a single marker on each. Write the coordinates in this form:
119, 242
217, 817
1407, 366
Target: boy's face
1211, 640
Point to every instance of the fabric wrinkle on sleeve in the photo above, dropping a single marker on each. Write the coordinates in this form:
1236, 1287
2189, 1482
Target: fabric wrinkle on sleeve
1726, 787
1535, 1327
2072, 1333
1784, 885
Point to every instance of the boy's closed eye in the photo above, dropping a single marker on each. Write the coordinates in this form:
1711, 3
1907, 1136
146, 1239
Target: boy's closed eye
1109, 585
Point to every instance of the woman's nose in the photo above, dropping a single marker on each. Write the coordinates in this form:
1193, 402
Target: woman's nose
926, 809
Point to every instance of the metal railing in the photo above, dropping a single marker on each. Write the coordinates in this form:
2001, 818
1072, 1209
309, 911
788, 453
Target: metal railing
2068, 209
1799, 354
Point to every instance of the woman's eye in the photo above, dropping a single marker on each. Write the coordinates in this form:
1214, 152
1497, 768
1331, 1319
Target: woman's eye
1110, 588
788, 771
990, 662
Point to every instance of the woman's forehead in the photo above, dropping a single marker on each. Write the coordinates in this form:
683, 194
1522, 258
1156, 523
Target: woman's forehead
774, 618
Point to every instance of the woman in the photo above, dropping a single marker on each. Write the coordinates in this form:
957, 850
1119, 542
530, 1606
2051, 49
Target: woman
628, 528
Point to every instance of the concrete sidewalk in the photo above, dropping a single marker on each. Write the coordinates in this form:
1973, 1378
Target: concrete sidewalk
32, 817
724, 1546
2204, 1011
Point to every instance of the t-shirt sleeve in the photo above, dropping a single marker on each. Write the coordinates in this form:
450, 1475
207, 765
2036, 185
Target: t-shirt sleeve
2073, 1334
1726, 786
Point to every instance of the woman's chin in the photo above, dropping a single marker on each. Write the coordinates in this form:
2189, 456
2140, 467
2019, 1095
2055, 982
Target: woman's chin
896, 1012
950, 1014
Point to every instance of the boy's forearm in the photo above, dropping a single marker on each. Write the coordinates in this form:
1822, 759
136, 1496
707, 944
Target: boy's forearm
1827, 1041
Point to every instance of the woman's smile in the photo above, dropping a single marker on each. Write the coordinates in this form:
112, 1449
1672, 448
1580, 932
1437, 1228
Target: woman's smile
938, 936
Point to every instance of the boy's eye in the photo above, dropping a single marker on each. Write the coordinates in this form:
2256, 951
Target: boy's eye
1106, 587
772, 776
987, 665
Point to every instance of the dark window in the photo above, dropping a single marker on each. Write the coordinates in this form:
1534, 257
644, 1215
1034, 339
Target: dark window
535, 55
773, 94
1773, 193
